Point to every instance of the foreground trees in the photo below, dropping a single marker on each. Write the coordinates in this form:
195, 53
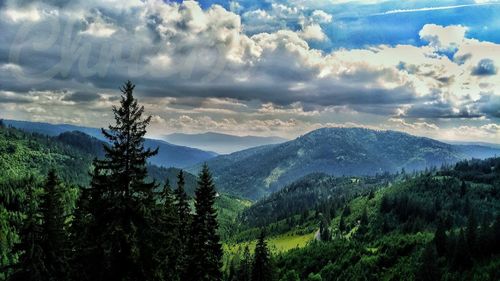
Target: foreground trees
54, 242
44, 241
262, 270
124, 227
137, 233
256, 268
121, 202
204, 248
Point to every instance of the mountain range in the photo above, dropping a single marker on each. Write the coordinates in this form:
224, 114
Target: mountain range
169, 155
257, 172
220, 143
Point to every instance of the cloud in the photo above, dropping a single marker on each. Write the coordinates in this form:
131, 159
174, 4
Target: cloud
321, 16
11, 97
485, 67
313, 32
489, 104
81, 97
414, 126
224, 67
443, 37
28, 14
99, 29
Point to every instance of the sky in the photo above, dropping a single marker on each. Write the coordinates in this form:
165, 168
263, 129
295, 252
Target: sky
267, 68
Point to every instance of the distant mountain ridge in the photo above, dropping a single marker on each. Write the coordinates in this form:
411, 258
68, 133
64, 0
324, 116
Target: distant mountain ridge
256, 172
169, 155
221, 143
476, 143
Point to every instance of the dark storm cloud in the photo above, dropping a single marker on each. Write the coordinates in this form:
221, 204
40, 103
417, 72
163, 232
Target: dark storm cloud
489, 105
14, 98
439, 109
485, 67
82, 97
462, 59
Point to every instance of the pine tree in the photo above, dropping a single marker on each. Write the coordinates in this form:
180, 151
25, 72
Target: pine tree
121, 200
167, 233
232, 269
346, 212
471, 232
440, 239
31, 265
428, 269
363, 225
324, 230
495, 233
181, 204
290, 275
461, 258
244, 272
262, 267
342, 225
79, 237
87, 237
463, 189
205, 250
55, 241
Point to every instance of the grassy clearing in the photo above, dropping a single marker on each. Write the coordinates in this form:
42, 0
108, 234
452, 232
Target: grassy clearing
277, 244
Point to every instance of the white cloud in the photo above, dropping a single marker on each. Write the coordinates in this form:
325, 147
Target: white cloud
313, 32
321, 16
207, 70
99, 29
443, 37
26, 14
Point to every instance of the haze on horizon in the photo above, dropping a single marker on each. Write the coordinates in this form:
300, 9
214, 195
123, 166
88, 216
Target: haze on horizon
429, 68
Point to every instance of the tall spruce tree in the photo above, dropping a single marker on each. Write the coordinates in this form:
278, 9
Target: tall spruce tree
183, 210
87, 237
31, 265
121, 200
244, 272
205, 250
471, 232
324, 230
262, 267
167, 233
80, 238
182, 203
363, 225
440, 238
428, 265
54, 242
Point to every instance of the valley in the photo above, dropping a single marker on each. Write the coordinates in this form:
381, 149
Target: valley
377, 212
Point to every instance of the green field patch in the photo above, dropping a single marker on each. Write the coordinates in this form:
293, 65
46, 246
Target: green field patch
277, 244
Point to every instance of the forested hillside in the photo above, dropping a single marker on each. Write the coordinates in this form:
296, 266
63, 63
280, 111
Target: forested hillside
315, 191
73, 207
436, 225
71, 153
260, 171
169, 155
24, 154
